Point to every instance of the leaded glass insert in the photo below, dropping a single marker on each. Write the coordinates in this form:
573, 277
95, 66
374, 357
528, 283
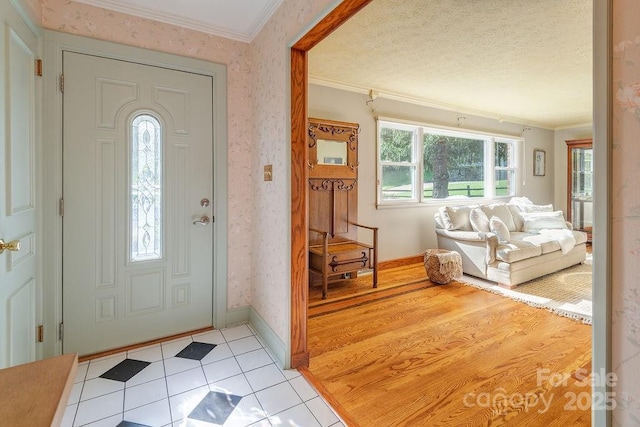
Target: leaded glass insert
146, 189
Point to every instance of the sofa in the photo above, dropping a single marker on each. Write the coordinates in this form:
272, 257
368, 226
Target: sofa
509, 243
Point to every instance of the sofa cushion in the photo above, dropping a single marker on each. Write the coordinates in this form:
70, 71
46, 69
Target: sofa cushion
515, 214
517, 250
547, 243
536, 221
456, 217
479, 220
537, 208
501, 211
498, 226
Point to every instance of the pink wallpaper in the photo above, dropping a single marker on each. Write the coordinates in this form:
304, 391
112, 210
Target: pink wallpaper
626, 211
81, 19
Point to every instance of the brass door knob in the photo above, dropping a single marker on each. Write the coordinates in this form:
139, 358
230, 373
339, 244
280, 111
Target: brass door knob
13, 245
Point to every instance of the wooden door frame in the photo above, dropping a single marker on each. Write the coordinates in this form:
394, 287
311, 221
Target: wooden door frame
300, 174
602, 122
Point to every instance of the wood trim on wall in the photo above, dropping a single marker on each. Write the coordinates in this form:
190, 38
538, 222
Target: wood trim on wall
299, 174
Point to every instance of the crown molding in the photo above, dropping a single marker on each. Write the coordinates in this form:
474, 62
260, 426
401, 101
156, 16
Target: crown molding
192, 24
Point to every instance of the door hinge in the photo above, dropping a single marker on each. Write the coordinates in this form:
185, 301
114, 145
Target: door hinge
61, 207
40, 333
62, 83
61, 332
39, 67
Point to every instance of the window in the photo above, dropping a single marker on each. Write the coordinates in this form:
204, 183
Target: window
145, 185
421, 163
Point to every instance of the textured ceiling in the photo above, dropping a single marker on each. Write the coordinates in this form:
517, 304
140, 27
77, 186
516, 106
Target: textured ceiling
528, 61
234, 19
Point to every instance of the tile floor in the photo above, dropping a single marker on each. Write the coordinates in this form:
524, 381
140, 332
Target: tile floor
224, 377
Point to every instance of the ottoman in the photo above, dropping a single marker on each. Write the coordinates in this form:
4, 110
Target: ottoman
442, 266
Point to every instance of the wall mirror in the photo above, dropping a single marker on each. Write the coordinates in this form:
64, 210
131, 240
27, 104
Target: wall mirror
331, 152
332, 149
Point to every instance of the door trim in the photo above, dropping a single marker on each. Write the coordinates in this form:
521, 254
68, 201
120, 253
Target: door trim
54, 44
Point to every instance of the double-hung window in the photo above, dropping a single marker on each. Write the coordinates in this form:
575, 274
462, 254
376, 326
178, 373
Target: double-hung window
419, 163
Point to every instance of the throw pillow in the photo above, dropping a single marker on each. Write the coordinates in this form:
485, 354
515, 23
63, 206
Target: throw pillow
479, 220
537, 208
501, 211
459, 217
498, 226
536, 221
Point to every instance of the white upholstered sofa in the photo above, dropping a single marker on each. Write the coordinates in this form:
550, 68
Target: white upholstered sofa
510, 243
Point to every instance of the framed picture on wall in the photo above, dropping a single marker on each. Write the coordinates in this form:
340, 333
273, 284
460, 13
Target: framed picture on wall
539, 160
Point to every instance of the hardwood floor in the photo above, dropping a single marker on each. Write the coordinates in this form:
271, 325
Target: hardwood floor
452, 355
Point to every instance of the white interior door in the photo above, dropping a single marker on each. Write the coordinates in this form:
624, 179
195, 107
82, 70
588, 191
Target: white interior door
19, 284
137, 160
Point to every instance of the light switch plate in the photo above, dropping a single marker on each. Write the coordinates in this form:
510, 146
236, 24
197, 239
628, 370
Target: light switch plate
268, 172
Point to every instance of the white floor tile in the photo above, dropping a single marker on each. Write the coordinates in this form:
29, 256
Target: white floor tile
240, 364
81, 373
322, 412
217, 371
236, 332
74, 396
297, 416
244, 345
303, 388
185, 381
147, 354
182, 404
150, 373
153, 414
211, 337
220, 352
98, 367
290, 373
107, 422
254, 359
246, 413
146, 393
69, 415
174, 365
237, 385
278, 398
101, 407
264, 377
98, 387
171, 348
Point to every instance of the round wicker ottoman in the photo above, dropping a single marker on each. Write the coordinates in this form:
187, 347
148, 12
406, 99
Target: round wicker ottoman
442, 265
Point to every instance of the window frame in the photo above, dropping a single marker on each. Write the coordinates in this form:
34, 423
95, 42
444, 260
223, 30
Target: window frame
419, 129
131, 260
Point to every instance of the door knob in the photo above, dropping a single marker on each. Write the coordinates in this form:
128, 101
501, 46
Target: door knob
202, 221
13, 245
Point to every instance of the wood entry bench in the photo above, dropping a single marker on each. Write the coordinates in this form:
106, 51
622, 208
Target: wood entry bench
332, 261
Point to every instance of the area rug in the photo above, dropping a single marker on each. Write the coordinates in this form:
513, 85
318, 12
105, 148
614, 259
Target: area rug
566, 292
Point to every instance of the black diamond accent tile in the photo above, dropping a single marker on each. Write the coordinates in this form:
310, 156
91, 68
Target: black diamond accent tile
125, 370
196, 350
215, 407
130, 424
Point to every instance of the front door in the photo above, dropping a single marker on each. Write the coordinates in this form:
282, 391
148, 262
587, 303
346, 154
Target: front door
19, 283
137, 186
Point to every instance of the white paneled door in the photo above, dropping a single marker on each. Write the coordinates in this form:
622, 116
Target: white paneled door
19, 284
137, 186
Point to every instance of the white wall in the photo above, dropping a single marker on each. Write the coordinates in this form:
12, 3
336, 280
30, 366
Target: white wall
408, 231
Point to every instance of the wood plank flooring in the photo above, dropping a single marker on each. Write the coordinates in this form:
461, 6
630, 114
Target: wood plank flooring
452, 355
